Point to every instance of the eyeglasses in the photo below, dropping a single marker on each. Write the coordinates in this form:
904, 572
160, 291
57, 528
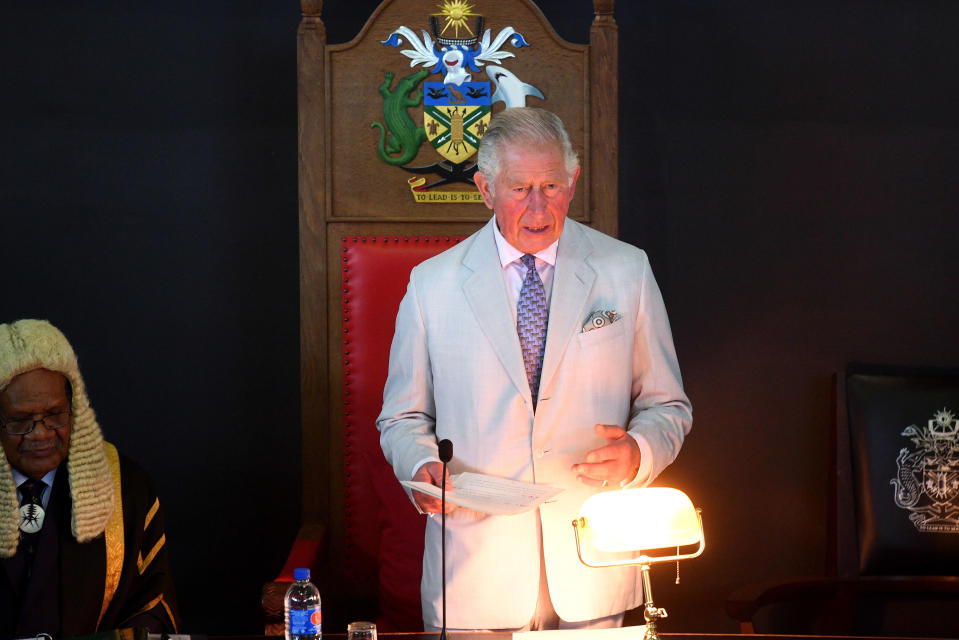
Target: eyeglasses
23, 427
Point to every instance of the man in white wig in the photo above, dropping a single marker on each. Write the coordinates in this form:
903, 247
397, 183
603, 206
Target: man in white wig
81, 532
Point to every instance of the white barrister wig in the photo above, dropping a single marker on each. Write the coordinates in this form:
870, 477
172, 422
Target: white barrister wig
26, 345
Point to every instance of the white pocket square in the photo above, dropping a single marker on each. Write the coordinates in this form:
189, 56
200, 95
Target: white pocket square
599, 319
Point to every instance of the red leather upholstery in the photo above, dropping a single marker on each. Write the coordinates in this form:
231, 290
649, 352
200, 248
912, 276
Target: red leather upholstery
375, 274
304, 553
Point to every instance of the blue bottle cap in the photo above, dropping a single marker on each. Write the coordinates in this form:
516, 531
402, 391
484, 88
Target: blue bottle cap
301, 574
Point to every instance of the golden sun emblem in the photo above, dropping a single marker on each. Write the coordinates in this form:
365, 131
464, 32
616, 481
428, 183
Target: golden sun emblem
456, 13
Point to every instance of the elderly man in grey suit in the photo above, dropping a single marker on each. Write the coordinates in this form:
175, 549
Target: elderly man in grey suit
541, 349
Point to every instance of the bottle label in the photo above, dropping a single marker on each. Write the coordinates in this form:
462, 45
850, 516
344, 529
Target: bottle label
305, 622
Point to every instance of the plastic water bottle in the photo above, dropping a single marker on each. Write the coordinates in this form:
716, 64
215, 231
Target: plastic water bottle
304, 612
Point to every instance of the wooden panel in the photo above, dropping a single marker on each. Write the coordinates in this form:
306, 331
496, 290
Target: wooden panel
602, 157
361, 184
314, 388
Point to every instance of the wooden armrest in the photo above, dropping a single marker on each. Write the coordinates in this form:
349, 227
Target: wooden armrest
305, 552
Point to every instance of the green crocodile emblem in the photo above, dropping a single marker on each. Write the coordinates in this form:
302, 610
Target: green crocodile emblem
404, 137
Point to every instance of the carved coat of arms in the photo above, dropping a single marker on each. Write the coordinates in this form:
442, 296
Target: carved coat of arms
927, 478
457, 108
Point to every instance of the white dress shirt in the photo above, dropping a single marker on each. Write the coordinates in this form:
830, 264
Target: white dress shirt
514, 271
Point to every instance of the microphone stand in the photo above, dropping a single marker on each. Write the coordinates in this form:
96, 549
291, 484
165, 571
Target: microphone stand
446, 454
443, 527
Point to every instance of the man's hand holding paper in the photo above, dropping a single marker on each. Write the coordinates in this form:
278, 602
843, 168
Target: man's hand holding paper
432, 473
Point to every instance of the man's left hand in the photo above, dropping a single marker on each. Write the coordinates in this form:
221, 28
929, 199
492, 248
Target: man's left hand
612, 464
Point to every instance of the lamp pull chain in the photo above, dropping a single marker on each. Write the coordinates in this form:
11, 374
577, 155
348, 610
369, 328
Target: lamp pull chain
677, 566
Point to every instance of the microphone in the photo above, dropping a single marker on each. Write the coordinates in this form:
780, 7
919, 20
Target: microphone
446, 451
446, 454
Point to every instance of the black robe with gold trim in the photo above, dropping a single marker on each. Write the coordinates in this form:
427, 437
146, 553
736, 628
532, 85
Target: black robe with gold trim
120, 579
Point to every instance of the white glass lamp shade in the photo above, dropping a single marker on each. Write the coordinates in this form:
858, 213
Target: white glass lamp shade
639, 519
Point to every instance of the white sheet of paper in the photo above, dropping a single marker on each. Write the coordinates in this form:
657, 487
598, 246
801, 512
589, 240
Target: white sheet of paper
618, 633
489, 494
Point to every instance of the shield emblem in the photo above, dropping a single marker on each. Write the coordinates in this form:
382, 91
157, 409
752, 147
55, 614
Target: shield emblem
941, 484
456, 117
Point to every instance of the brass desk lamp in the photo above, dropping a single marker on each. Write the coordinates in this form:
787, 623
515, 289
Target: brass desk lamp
640, 520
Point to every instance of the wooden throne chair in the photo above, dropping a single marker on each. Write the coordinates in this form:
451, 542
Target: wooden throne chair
385, 161
893, 521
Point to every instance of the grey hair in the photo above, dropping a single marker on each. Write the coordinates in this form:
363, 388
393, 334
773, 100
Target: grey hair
522, 126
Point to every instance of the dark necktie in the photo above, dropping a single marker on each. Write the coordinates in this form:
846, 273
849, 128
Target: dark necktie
532, 318
31, 519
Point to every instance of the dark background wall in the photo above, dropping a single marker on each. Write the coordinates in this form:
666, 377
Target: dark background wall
788, 166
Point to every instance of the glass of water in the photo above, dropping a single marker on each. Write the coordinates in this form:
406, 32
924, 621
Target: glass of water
361, 631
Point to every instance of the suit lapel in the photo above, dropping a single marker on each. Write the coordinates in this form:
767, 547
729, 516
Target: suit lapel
572, 283
485, 292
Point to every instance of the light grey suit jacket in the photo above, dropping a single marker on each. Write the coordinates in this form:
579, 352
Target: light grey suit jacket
456, 371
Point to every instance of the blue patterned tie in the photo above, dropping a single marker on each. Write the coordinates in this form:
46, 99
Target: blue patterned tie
532, 317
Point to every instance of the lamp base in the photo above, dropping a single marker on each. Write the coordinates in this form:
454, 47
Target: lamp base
651, 612
651, 633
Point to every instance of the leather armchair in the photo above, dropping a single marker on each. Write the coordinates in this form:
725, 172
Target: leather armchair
893, 520
382, 549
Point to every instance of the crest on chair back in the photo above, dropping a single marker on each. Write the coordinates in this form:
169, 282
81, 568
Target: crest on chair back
927, 478
456, 106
